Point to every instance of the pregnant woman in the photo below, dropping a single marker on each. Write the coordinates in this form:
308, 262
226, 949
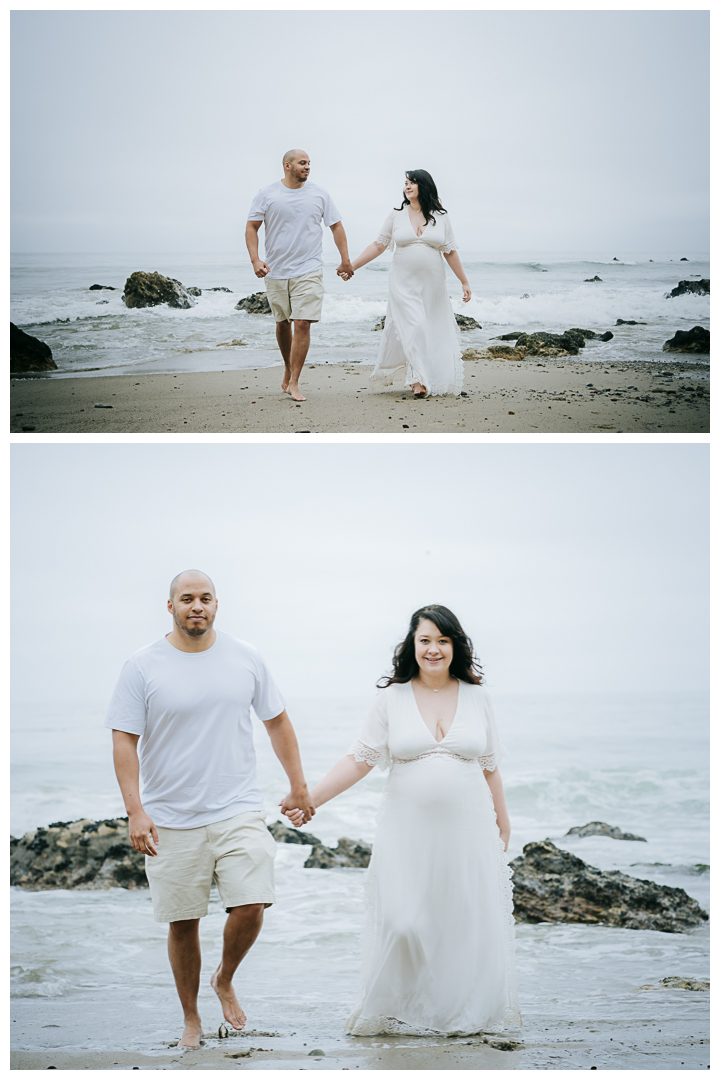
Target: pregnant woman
420, 339
439, 942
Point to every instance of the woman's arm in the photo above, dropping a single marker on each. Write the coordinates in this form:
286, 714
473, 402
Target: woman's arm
494, 782
453, 261
341, 777
371, 252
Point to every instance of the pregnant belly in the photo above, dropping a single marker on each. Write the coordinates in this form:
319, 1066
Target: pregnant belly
417, 260
438, 785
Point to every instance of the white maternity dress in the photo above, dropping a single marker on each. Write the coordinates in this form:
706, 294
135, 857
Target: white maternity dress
438, 950
420, 339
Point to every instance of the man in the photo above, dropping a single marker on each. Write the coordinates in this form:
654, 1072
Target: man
188, 697
293, 211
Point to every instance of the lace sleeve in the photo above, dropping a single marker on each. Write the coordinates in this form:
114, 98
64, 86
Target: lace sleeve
384, 237
449, 244
362, 752
491, 761
494, 749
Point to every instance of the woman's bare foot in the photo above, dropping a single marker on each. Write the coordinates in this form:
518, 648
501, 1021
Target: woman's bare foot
419, 391
294, 392
232, 1010
192, 1034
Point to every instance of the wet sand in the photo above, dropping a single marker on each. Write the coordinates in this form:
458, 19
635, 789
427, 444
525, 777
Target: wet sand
532, 396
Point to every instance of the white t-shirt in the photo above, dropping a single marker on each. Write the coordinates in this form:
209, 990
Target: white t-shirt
293, 226
197, 759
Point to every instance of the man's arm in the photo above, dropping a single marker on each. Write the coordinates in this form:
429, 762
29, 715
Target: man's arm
127, 769
285, 744
251, 239
340, 239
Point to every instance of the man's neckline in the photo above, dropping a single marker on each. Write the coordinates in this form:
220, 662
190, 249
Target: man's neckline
193, 652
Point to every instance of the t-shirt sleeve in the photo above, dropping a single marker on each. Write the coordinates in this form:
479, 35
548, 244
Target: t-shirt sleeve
449, 244
258, 207
384, 237
127, 711
267, 700
494, 749
372, 744
331, 215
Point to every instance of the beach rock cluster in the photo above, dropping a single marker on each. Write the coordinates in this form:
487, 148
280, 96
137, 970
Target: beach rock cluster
678, 982
347, 853
701, 287
283, 835
465, 322
148, 290
599, 828
28, 353
551, 885
255, 304
77, 855
696, 340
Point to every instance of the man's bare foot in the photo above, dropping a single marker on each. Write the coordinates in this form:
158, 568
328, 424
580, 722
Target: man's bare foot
232, 1010
286, 381
294, 392
192, 1035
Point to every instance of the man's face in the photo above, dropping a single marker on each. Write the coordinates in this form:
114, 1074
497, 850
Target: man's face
193, 606
299, 169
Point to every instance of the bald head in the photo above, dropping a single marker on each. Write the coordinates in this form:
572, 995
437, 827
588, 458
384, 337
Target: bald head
290, 156
193, 581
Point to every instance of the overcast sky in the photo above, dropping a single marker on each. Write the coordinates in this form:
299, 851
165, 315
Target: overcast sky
546, 131
573, 567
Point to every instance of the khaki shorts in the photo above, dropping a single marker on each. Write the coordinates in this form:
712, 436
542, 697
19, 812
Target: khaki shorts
238, 854
297, 297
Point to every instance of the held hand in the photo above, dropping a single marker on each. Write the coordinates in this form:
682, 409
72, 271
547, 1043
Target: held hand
466, 292
297, 818
261, 269
345, 270
142, 833
298, 799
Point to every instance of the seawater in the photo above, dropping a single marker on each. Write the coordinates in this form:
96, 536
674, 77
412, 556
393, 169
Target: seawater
93, 333
93, 965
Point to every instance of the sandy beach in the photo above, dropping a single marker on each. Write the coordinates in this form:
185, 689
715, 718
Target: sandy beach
532, 396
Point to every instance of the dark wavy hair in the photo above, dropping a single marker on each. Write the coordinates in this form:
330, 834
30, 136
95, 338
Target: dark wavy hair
464, 664
429, 201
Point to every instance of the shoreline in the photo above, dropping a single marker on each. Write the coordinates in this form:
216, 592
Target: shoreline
534, 396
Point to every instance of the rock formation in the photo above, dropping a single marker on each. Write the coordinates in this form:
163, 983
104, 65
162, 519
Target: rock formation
148, 290
77, 855
28, 353
696, 340
702, 287
110, 287
347, 853
284, 835
545, 344
630, 322
192, 290
551, 885
463, 321
256, 304
596, 278
599, 828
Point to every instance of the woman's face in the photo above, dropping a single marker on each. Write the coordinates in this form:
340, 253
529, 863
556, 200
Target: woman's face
433, 651
411, 190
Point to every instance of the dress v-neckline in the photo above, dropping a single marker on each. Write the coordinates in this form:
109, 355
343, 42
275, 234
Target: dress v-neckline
418, 236
438, 742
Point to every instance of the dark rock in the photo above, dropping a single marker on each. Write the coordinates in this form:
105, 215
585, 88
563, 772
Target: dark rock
545, 344
103, 301
702, 287
629, 322
551, 885
466, 323
678, 982
683, 259
696, 340
599, 828
583, 333
219, 288
148, 290
192, 290
28, 353
607, 336
256, 304
615, 259
77, 855
596, 278
380, 325
509, 337
347, 853
284, 835
110, 287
